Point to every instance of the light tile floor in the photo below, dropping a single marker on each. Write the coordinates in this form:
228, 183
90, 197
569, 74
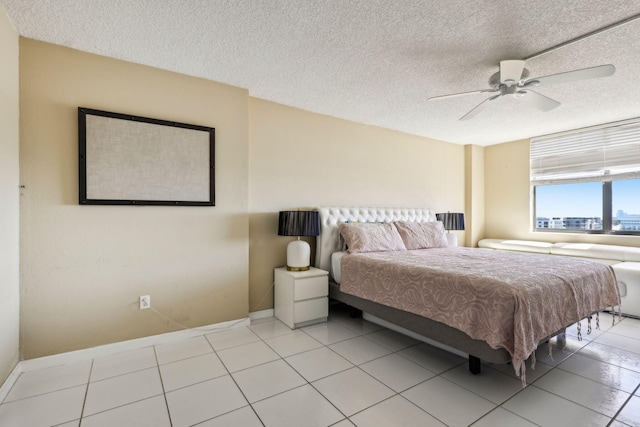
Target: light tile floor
346, 372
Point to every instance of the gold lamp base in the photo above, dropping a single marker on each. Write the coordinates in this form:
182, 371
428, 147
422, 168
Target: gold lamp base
298, 268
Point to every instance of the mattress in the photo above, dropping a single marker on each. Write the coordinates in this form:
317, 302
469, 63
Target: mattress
336, 263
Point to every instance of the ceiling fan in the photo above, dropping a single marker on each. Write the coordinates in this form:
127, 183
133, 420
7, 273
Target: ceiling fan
513, 79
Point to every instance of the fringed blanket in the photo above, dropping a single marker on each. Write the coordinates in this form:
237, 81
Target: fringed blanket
510, 300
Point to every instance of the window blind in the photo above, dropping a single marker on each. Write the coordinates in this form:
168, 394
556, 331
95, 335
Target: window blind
599, 153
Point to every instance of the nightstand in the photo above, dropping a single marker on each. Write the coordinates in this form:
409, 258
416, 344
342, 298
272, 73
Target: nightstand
301, 296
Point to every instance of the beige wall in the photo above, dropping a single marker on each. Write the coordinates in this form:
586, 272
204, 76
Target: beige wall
507, 191
507, 200
302, 160
474, 194
9, 199
83, 267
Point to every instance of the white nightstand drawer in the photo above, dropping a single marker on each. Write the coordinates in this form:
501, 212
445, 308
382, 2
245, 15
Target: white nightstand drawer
311, 309
311, 287
300, 297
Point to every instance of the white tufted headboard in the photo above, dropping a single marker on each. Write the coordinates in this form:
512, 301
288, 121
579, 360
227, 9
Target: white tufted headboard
329, 241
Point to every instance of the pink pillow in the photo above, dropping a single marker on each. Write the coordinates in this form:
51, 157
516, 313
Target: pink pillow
422, 235
371, 237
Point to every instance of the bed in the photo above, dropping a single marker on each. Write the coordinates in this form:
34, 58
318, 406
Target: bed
455, 296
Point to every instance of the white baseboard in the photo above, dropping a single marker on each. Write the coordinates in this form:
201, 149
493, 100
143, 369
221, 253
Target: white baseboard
262, 314
10, 381
119, 347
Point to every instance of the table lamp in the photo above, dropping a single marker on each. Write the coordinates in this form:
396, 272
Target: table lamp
298, 223
451, 221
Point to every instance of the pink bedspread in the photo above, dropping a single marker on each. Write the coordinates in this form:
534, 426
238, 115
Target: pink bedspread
510, 300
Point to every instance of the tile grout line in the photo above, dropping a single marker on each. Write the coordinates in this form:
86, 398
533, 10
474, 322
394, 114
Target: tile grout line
359, 367
86, 394
399, 394
307, 382
234, 382
164, 391
531, 384
624, 405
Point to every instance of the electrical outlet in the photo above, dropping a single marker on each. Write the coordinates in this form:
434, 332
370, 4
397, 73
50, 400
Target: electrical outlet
145, 302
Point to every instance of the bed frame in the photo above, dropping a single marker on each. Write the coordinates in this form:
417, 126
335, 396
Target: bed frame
329, 241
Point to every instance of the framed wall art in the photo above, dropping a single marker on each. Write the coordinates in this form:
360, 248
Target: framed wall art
132, 160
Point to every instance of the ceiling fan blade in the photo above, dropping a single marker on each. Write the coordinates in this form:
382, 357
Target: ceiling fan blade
471, 114
571, 76
537, 100
455, 95
511, 70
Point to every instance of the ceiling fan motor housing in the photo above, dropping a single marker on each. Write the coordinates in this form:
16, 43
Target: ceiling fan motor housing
495, 82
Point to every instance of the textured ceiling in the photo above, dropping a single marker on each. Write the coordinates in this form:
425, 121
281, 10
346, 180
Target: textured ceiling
370, 61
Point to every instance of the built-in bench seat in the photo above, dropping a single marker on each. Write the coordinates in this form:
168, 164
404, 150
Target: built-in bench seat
624, 260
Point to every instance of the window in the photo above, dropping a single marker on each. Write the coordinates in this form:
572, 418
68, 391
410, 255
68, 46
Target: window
569, 206
625, 205
588, 181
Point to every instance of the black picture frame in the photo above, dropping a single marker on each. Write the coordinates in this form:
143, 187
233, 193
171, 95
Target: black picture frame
133, 160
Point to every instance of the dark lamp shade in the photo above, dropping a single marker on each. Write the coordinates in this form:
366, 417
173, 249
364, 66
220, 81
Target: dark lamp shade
451, 221
298, 223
